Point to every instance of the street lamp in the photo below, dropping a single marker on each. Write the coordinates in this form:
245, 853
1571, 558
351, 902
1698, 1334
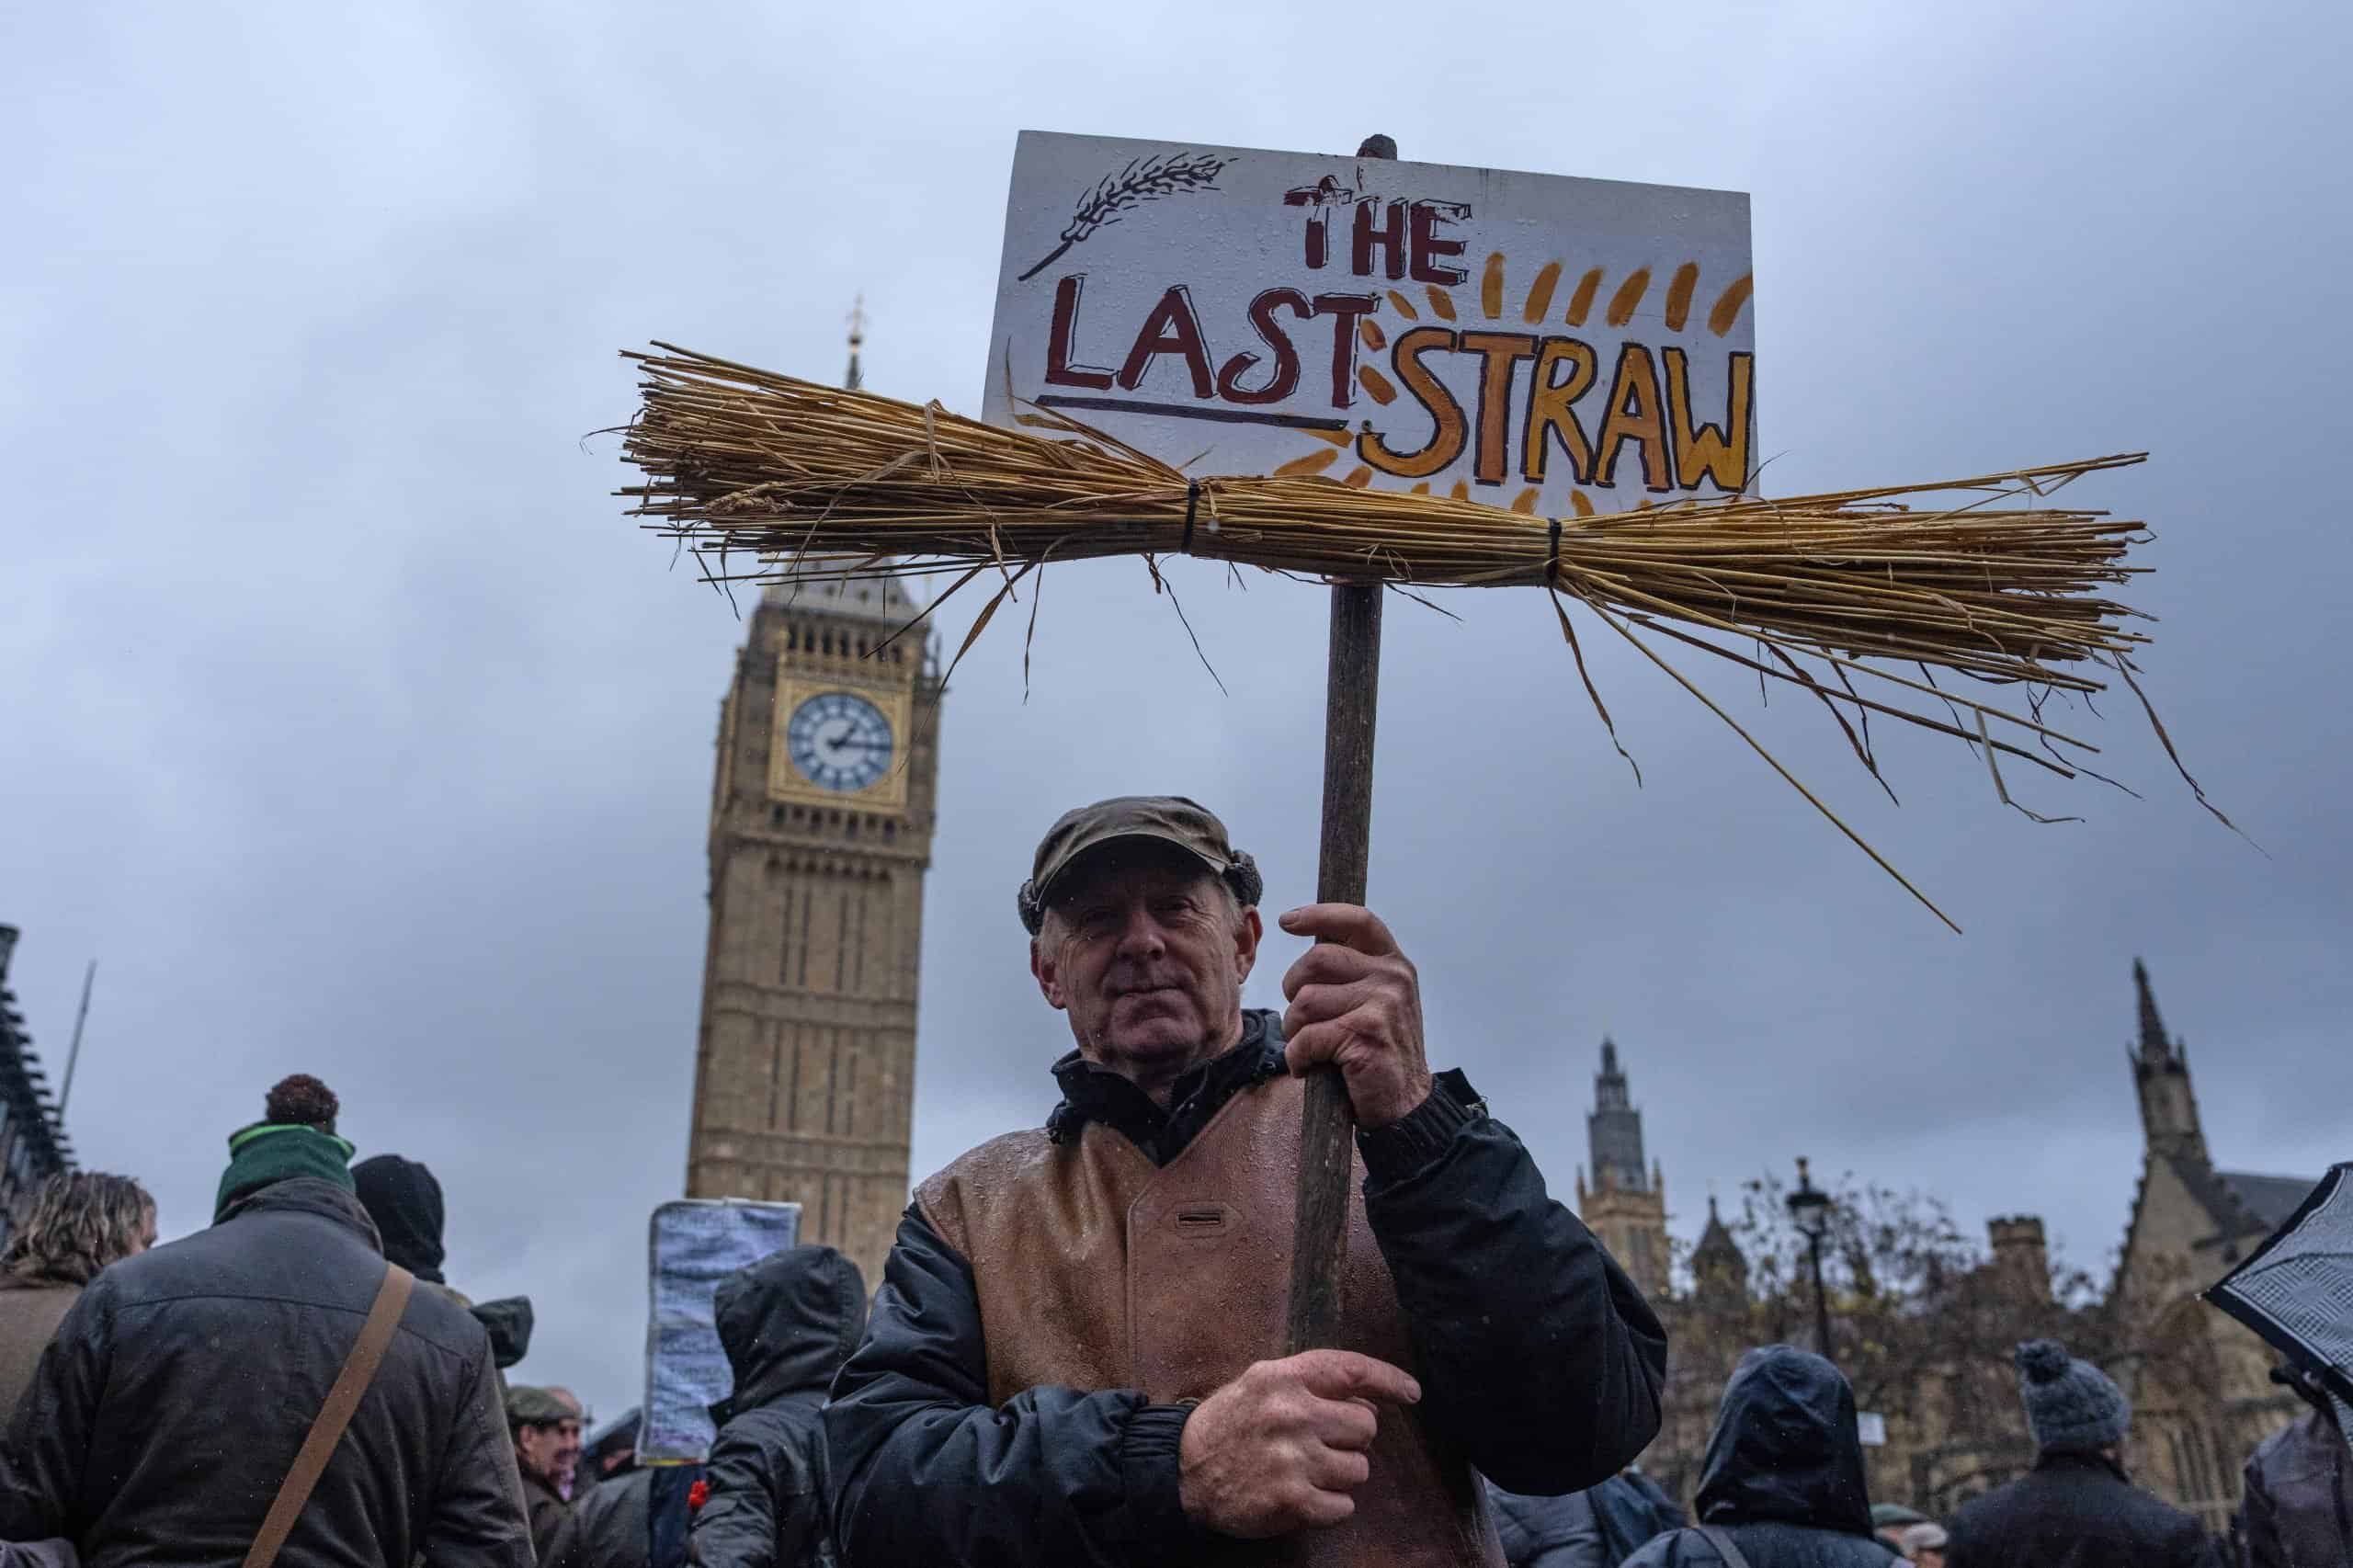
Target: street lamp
1810, 1211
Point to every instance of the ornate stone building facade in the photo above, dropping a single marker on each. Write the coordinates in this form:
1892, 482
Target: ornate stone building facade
2200, 1385
821, 825
2198, 1381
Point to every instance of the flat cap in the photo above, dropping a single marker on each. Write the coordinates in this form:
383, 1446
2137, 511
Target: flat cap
527, 1406
1168, 819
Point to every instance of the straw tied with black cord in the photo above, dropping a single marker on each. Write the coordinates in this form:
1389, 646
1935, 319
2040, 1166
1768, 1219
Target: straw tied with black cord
1999, 585
1839, 593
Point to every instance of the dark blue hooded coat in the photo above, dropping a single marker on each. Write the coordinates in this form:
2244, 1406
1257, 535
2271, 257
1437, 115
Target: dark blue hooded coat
1783, 1475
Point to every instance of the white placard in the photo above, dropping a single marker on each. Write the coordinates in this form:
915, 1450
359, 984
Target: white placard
692, 1244
1561, 346
1870, 1429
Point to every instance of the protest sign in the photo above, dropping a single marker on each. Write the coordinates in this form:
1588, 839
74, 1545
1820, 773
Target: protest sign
1565, 346
693, 1244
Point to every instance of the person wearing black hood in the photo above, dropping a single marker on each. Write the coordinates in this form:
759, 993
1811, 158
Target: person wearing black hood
405, 1199
167, 1415
788, 1323
1782, 1485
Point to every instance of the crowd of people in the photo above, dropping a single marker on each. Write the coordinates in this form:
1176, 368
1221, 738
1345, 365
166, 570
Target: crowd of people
1062, 1365
208, 1401
122, 1431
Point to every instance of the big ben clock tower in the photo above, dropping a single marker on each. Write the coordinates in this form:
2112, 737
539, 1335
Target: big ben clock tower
821, 826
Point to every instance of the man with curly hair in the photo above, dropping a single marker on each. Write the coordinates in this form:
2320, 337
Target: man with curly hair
77, 1222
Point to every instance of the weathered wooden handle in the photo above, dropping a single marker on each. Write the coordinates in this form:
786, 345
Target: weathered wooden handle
1326, 1142
1327, 1124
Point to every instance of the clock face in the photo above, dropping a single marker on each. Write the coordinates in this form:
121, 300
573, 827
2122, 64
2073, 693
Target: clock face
838, 740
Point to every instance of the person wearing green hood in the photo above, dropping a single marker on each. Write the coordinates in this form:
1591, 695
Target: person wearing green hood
167, 1414
295, 1137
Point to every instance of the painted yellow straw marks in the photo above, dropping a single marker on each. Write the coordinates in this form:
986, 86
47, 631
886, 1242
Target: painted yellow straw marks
1540, 293
1623, 303
1491, 286
1728, 304
1678, 295
1581, 302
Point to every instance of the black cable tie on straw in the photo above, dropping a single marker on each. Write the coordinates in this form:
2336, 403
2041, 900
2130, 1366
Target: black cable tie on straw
1192, 499
1552, 564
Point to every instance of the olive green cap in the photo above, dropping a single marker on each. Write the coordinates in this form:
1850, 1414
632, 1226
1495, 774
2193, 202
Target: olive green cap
527, 1406
1169, 819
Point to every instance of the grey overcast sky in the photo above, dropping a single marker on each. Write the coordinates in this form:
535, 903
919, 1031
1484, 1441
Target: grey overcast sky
352, 730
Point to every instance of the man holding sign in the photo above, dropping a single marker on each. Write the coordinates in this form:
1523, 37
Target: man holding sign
1065, 1363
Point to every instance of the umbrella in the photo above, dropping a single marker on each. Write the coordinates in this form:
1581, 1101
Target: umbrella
2297, 1289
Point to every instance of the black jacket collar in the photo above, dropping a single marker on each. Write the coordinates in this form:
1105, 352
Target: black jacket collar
308, 1195
1094, 1093
2082, 1459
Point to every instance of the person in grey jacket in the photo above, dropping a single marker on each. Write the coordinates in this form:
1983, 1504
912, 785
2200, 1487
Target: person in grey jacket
787, 1323
1781, 1483
1597, 1527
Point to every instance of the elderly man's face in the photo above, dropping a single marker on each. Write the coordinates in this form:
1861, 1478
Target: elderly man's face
548, 1451
1146, 953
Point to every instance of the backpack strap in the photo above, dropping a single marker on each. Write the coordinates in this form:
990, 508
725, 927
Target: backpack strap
1721, 1538
327, 1430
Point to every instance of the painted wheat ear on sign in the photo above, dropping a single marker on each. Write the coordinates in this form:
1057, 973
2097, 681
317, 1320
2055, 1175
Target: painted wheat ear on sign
1857, 597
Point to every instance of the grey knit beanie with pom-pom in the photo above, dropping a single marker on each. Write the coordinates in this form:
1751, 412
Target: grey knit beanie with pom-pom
2070, 1405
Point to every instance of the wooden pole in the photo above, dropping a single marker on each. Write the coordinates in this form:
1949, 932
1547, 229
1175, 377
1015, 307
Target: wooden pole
1328, 1126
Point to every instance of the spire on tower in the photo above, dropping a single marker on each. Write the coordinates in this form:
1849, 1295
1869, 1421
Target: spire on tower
854, 378
2161, 1079
2154, 1044
1615, 1129
1718, 1269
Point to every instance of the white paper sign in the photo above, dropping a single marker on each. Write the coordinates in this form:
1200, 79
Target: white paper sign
1559, 345
693, 1244
1870, 1428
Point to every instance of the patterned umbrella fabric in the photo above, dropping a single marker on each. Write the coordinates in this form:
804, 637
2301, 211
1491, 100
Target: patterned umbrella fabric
2297, 1289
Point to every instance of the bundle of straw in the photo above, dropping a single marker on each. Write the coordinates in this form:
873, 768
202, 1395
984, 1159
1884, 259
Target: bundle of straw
814, 481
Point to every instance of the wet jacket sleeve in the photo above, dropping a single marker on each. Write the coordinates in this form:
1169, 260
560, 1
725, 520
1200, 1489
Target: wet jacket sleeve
479, 1519
1540, 1360
924, 1470
2255, 1525
47, 1445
